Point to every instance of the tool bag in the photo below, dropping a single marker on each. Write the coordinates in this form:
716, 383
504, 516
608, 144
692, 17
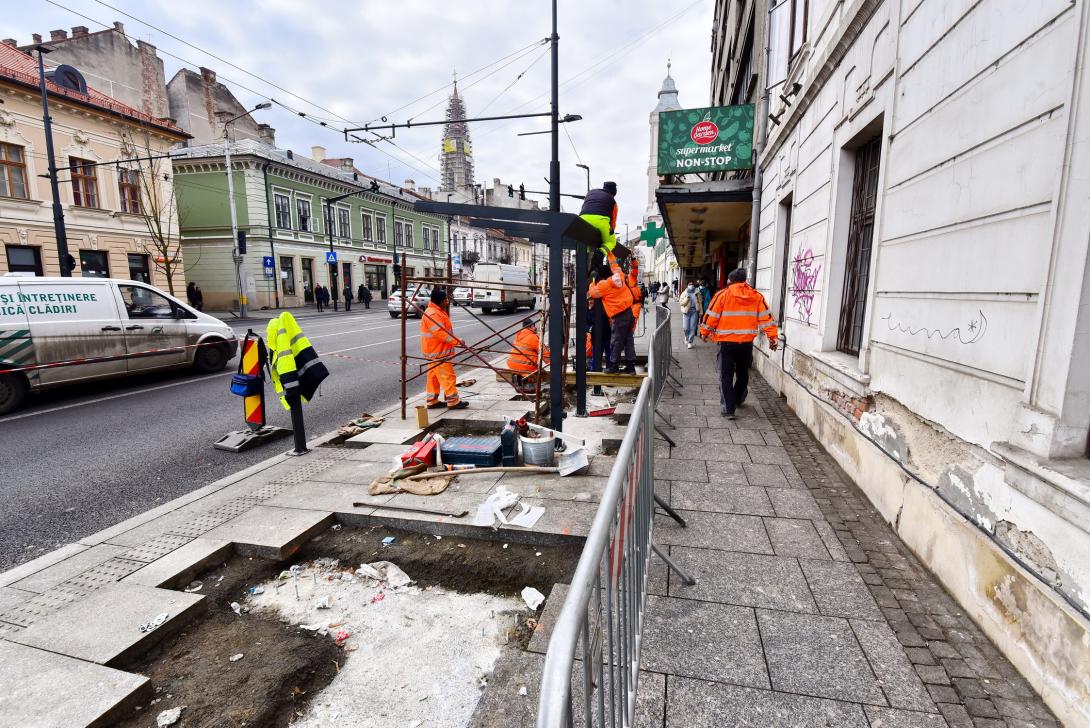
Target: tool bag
249, 385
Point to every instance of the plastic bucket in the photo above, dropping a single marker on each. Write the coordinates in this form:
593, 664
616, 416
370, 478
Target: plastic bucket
538, 451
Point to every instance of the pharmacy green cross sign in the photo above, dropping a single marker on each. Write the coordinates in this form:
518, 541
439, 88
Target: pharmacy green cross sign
652, 234
709, 139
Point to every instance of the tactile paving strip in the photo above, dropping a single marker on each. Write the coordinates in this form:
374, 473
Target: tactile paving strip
34, 609
265, 492
156, 548
105, 573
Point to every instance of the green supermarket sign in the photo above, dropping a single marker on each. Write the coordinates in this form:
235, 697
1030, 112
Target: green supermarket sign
711, 139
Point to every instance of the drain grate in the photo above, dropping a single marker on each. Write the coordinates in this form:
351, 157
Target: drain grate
156, 548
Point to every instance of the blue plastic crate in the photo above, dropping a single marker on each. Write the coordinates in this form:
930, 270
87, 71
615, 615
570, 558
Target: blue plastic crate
480, 451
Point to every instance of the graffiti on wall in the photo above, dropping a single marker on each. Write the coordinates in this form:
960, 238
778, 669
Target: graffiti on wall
803, 289
971, 333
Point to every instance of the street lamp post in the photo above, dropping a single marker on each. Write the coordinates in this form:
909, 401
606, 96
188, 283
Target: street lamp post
587, 170
59, 230
329, 223
235, 254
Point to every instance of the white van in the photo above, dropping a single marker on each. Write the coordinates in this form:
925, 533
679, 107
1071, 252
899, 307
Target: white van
56, 331
509, 291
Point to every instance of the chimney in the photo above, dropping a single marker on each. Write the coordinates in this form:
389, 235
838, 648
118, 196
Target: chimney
10, 42
37, 38
410, 185
119, 27
291, 154
79, 31
208, 75
347, 164
317, 153
266, 134
55, 35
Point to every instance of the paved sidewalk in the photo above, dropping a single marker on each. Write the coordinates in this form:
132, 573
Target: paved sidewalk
808, 610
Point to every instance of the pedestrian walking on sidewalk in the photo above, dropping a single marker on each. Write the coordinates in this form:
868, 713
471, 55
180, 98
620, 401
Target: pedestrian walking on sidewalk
347, 296
365, 296
734, 318
320, 297
662, 298
692, 310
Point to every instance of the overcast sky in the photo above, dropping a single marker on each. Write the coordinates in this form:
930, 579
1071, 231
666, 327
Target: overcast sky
362, 60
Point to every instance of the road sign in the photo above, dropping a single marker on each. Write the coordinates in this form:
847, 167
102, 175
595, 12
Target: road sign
456, 263
331, 257
267, 261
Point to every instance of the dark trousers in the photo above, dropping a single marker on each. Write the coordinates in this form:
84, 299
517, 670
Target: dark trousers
320, 303
599, 336
621, 342
348, 303
734, 361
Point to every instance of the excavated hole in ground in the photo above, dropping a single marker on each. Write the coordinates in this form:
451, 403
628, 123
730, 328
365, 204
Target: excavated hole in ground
285, 667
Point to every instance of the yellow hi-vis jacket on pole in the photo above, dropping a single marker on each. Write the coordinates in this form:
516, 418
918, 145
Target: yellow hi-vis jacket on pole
293, 363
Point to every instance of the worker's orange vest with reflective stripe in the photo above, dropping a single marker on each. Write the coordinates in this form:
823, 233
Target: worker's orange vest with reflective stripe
524, 356
435, 342
614, 291
737, 314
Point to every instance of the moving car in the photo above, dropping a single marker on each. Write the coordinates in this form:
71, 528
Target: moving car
87, 329
393, 303
463, 295
508, 287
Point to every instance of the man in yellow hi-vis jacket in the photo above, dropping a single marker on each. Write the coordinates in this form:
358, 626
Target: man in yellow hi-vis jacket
294, 365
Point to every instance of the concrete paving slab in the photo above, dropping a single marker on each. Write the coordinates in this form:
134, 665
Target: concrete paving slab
562, 520
717, 453
42, 562
584, 488
183, 517
64, 570
269, 532
697, 704
725, 531
769, 476
790, 503
716, 497
890, 718
725, 473
46, 690
601, 465
180, 566
832, 543
377, 453
385, 435
769, 454
814, 655
839, 590
887, 657
691, 470
748, 580
10, 596
703, 640
795, 537
351, 471
333, 497
104, 626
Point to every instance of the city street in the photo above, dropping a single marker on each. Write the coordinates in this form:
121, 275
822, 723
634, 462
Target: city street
65, 478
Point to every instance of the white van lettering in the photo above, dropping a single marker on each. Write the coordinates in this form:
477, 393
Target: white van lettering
12, 311
50, 309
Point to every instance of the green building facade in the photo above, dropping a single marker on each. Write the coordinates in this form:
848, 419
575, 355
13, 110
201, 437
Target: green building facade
281, 202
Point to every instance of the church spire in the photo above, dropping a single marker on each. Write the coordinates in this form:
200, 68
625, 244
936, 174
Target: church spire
456, 159
668, 93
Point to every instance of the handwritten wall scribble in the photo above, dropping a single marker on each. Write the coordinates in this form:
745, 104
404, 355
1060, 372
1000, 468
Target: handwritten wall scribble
972, 333
805, 280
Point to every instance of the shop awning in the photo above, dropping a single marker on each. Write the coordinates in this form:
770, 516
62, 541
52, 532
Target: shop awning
700, 216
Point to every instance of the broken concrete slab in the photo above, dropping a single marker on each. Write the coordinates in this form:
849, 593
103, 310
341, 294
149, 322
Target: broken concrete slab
65, 569
104, 626
271, 532
178, 568
46, 689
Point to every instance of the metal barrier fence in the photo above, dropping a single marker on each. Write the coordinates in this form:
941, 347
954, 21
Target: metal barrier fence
602, 616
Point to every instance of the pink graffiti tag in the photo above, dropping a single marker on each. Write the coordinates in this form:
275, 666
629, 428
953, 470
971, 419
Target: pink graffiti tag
805, 280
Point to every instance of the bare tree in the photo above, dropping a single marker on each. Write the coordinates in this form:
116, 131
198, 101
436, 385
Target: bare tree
155, 203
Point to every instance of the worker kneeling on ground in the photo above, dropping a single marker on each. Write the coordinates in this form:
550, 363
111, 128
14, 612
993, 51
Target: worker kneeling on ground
600, 210
437, 342
735, 316
617, 299
524, 357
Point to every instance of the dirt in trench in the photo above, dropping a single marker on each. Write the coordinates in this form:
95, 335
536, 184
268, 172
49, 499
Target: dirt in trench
283, 666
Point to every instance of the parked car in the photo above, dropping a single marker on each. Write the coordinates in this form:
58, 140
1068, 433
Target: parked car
421, 298
508, 288
105, 327
463, 295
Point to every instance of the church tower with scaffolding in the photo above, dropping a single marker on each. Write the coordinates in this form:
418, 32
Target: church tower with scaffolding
456, 158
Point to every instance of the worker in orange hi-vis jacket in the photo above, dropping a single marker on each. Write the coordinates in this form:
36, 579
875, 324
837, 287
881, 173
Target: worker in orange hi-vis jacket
523, 358
733, 319
633, 283
437, 342
617, 299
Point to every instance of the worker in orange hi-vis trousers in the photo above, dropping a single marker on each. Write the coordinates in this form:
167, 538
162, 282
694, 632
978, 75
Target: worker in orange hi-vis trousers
437, 342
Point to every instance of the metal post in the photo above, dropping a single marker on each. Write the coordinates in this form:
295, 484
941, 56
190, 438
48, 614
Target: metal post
295, 406
404, 316
579, 311
758, 148
272, 241
59, 230
333, 265
557, 365
234, 223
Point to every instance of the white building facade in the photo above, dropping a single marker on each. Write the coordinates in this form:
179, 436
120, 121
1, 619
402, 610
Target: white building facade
924, 239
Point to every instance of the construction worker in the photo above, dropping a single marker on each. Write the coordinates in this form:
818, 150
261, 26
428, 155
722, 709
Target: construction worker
617, 299
736, 314
294, 366
633, 283
524, 356
600, 210
437, 341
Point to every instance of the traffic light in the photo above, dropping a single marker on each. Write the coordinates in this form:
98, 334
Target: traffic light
522, 192
242, 242
510, 191
69, 264
397, 274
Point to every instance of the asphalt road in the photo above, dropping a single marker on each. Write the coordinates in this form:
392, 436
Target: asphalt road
80, 459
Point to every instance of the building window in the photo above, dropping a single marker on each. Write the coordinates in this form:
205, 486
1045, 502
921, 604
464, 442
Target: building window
399, 234
287, 274
128, 185
84, 182
24, 259
12, 171
785, 217
367, 225
409, 242
139, 269
380, 229
283, 211
307, 269
302, 211
853, 305
800, 11
344, 221
94, 264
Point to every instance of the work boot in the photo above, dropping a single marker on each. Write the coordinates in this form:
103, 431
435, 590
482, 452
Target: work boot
611, 369
461, 405
629, 368
437, 405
